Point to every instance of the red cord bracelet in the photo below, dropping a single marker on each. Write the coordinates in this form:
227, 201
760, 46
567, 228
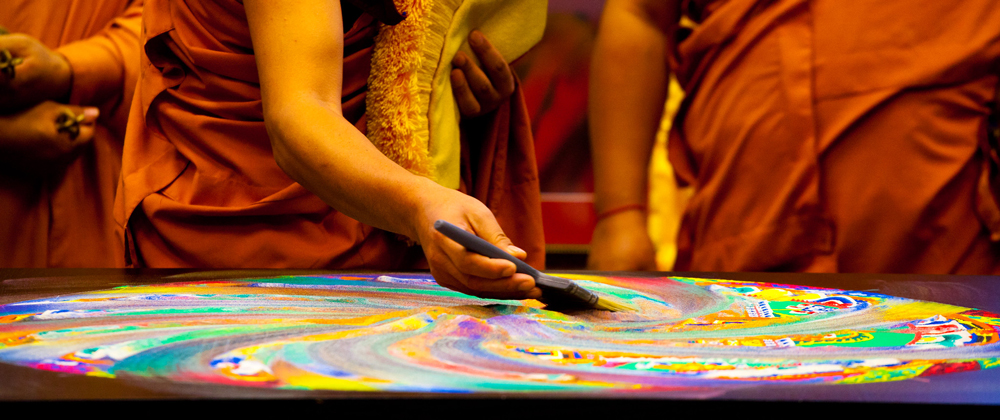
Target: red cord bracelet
608, 213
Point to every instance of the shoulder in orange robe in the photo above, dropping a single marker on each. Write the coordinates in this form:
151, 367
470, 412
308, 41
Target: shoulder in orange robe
65, 220
200, 186
837, 135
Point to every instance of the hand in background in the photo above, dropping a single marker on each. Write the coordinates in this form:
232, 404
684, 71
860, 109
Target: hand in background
476, 91
42, 75
621, 243
30, 140
458, 269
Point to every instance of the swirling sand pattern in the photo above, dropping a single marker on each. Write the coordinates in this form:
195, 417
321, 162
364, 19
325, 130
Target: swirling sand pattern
390, 333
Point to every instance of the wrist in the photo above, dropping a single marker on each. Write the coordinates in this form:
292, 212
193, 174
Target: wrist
419, 198
63, 79
631, 210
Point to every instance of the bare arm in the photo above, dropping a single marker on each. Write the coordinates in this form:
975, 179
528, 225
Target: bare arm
106, 65
629, 75
84, 72
29, 136
299, 52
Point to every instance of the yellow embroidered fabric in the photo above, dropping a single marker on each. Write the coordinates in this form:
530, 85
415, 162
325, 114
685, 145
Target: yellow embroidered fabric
413, 117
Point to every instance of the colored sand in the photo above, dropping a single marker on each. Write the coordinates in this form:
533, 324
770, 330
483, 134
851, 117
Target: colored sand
367, 332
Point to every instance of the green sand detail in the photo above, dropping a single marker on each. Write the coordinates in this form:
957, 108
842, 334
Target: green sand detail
989, 363
869, 339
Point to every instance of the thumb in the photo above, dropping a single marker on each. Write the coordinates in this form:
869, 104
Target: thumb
14, 43
87, 125
89, 113
491, 231
18, 45
517, 252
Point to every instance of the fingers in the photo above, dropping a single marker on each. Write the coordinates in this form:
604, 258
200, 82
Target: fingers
472, 264
516, 286
8, 63
500, 76
485, 226
13, 50
18, 45
457, 268
477, 81
90, 114
475, 274
31, 73
516, 252
451, 282
467, 102
477, 91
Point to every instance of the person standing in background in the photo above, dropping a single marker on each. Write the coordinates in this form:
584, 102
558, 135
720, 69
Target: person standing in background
65, 92
825, 135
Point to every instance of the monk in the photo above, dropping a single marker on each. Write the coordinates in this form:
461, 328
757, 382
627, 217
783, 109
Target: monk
74, 58
825, 135
246, 148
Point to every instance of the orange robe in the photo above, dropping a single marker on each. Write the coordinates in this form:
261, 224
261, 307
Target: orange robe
200, 186
65, 219
837, 135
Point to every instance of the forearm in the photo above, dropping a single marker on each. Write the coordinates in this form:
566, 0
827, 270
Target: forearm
298, 47
629, 75
318, 148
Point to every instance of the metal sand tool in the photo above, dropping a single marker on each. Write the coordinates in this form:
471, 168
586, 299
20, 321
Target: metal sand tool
8, 61
69, 122
556, 290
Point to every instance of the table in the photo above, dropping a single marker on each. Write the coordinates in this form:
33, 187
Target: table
965, 388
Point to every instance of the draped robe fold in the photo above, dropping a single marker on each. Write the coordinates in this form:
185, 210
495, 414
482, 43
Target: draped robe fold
837, 135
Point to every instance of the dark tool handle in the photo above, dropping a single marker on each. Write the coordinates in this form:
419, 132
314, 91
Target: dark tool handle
556, 289
480, 246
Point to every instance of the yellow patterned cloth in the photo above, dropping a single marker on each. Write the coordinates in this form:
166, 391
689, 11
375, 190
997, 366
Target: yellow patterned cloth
412, 114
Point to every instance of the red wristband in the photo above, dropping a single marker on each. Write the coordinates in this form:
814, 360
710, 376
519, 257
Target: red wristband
608, 213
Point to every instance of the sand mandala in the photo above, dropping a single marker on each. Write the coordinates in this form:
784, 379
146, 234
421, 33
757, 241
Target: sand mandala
406, 333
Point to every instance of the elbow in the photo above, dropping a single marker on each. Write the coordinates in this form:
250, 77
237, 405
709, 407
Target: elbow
278, 125
297, 130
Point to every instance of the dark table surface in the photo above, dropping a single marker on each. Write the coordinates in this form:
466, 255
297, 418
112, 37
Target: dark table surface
980, 387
